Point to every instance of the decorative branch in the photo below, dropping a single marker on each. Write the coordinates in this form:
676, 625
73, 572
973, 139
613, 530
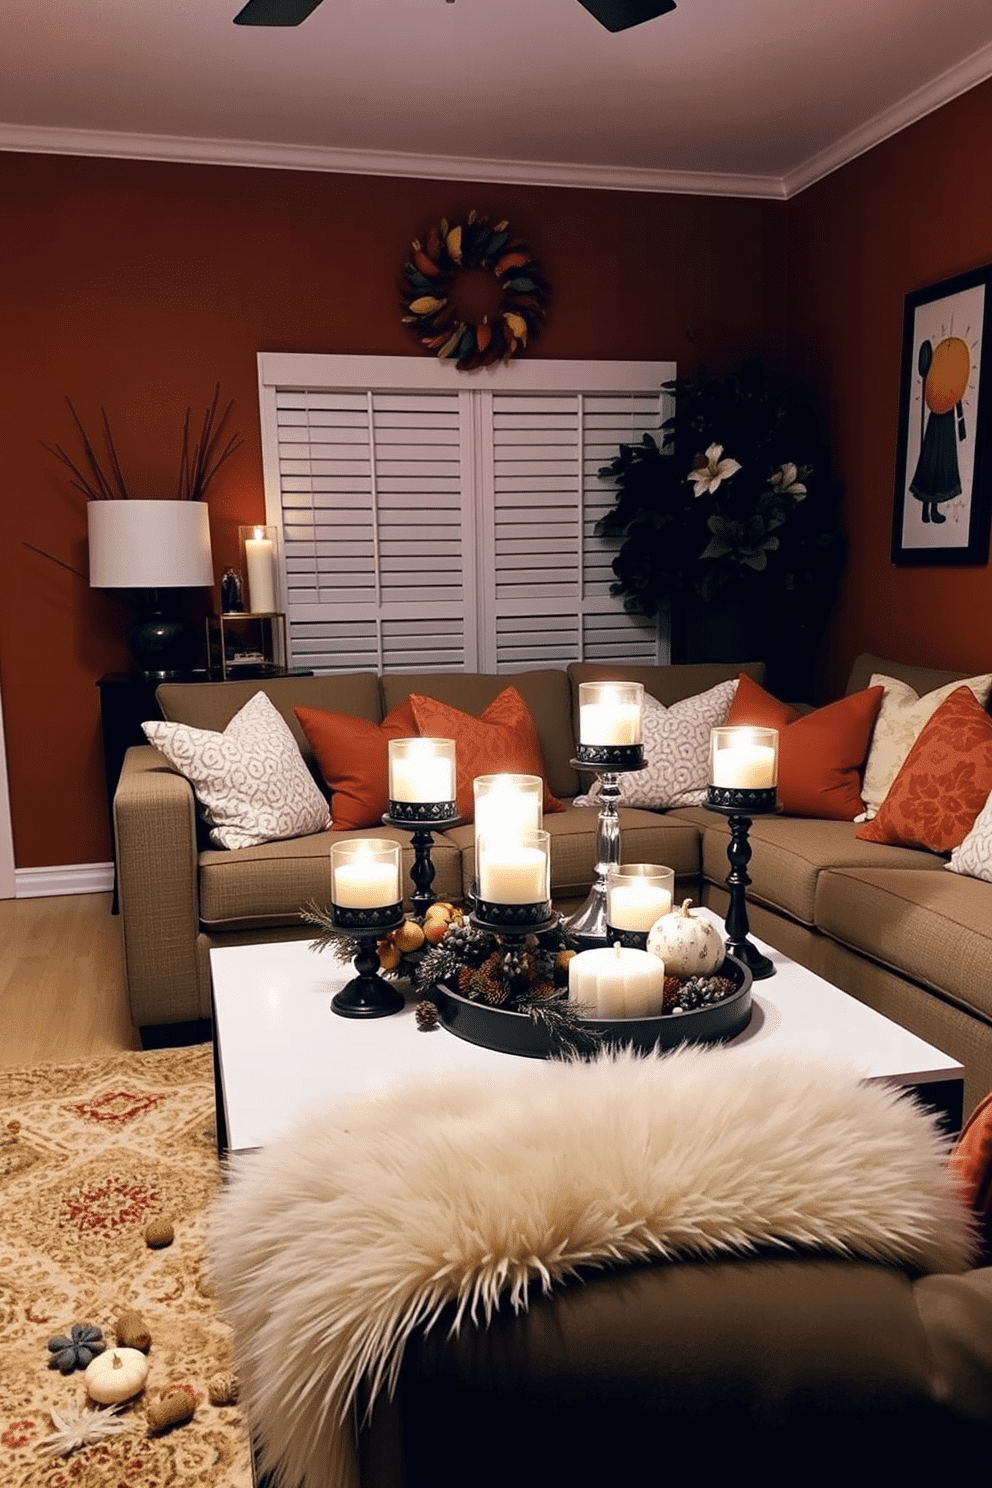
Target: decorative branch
61, 562
197, 468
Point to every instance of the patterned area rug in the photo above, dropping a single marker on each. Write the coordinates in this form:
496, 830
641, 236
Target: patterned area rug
89, 1153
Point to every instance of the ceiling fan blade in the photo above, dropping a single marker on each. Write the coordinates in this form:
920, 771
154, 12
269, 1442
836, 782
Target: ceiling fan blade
619, 15
275, 12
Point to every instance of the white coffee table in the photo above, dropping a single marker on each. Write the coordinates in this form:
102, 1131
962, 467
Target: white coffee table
280, 1051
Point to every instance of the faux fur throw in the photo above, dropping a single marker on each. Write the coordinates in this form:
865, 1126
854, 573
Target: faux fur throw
363, 1223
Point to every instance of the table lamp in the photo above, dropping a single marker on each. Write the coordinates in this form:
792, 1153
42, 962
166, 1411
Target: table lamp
150, 546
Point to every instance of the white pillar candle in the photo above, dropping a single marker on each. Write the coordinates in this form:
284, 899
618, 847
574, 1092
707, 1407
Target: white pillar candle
617, 982
421, 770
746, 766
636, 904
365, 875
604, 723
512, 873
259, 555
610, 713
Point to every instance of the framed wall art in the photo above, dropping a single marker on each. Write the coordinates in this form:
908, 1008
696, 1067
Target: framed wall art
942, 499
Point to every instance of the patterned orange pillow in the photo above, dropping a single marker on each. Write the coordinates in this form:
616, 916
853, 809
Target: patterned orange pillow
353, 755
971, 1163
505, 737
944, 781
820, 754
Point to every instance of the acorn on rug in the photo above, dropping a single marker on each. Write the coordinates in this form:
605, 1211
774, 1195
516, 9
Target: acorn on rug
364, 1222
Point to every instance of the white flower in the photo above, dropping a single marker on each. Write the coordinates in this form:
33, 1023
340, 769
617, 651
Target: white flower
708, 475
784, 482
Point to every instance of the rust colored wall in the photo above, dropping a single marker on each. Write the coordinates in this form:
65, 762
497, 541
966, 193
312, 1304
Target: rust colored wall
136, 286
911, 212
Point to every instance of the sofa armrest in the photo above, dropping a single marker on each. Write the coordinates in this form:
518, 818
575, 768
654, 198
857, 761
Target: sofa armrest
157, 877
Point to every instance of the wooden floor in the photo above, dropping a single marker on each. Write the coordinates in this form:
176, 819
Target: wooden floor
62, 992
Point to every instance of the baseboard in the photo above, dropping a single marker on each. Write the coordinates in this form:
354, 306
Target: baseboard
76, 878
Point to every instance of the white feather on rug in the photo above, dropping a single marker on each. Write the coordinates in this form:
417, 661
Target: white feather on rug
365, 1221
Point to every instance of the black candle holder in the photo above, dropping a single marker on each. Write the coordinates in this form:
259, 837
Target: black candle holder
368, 995
420, 818
513, 922
631, 940
739, 805
513, 919
588, 924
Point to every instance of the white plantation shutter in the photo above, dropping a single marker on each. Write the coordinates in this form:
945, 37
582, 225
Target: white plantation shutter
435, 520
547, 586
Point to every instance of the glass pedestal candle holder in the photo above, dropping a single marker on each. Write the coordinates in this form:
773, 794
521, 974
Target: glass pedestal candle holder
422, 797
366, 905
610, 744
637, 894
743, 781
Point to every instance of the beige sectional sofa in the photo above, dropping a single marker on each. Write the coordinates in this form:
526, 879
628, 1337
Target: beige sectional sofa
887, 924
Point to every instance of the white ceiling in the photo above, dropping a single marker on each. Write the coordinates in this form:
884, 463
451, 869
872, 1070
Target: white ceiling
755, 97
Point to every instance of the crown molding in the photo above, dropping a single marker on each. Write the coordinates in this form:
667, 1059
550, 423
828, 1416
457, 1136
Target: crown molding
178, 149
915, 106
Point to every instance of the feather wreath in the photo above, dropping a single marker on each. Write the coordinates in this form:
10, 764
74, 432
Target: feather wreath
473, 293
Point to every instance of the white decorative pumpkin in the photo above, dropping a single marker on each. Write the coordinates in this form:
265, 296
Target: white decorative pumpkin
688, 944
116, 1375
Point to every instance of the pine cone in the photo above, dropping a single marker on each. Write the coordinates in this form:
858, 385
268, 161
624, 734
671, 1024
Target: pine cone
487, 982
670, 993
426, 1015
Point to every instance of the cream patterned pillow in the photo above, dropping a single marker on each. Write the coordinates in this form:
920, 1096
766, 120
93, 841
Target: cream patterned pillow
900, 721
974, 856
251, 781
676, 751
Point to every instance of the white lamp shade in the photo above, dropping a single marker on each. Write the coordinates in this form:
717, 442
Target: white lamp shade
149, 545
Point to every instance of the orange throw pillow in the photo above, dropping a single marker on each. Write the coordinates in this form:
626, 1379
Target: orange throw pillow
971, 1164
820, 754
505, 737
944, 781
353, 755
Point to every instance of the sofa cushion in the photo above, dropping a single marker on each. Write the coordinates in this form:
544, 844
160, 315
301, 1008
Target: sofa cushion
546, 694
900, 721
503, 739
971, 1161
790, 853
268, 885
647, 837
921, 679
974, 855
943, 783
212, 705
931, 927
820, 754
353, 757
250, 780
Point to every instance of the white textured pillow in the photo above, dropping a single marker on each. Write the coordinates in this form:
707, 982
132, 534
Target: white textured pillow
251, 781
974, 856
676, 751
900, 721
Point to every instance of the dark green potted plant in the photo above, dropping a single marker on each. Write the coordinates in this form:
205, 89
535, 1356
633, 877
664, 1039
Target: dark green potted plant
729, 525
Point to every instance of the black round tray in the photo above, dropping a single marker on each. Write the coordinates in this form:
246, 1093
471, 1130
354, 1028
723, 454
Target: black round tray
510, 1032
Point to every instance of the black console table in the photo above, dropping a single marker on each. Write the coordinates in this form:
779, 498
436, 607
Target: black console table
127, 700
